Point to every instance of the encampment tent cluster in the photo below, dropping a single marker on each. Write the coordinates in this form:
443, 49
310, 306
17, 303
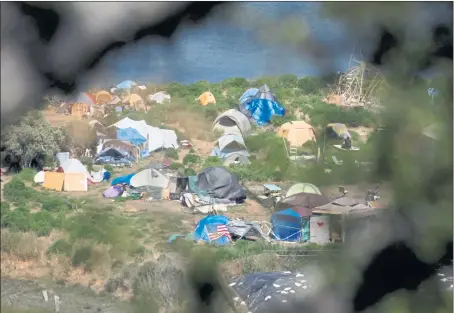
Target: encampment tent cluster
71, 175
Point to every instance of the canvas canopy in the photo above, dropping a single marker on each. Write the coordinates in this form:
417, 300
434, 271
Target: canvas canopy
206, 98
302, 187
223, 184
103, 97
297, 133
159, 97
149, 177
232, 122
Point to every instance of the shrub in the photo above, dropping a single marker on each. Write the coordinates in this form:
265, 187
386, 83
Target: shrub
212, 161
55, 204
26, 175
25, 246
88, 162
176, 166
190, 159
108, 168
189, 172
172, 153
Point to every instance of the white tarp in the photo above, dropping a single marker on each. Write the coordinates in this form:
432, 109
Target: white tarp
159, 97
157, 138
39, 177
149, 177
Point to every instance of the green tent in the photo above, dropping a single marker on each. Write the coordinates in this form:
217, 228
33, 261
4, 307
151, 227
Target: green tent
303, 187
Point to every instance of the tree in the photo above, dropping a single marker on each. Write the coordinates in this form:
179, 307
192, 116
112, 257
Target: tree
81, 136
31, 138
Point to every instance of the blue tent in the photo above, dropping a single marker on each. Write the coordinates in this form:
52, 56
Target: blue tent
251, 92
262, 106
132, 135
209, 225
127, 84
287, 225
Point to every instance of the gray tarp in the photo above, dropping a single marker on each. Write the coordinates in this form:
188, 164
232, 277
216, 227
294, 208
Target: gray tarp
233, 122
269, 291
223, 184
302, 199
246, 229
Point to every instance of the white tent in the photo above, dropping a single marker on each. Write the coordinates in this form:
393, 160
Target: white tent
74, 166
232, 122
159, 97
149, 177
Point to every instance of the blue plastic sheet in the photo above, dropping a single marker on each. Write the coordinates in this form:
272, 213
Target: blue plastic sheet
263, 110
125, 179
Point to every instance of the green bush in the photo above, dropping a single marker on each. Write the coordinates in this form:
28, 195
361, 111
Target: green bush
26, 175
55, 204
172, 153
108, 168
175, 165
191, 159
189, 172
212, 161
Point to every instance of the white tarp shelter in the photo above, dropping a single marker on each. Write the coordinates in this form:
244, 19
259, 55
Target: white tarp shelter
157, 138
149, 177
159, 97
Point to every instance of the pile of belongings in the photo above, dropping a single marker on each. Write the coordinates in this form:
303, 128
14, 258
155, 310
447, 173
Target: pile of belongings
260, 105
72, 175
215, 188
115, 157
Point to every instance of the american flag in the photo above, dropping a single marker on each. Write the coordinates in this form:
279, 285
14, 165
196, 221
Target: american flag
221, 230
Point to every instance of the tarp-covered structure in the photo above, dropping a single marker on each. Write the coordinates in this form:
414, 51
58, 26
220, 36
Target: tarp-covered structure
159, 97
262, 106
338, 130
206, 98
264, 292
207, 230
302, 187
288, 225
155, 138
297, 133
221, 183
232, 122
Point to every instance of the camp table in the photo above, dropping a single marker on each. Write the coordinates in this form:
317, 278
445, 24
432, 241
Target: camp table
272, 190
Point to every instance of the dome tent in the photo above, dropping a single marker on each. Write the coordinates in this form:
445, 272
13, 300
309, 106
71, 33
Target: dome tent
303, 187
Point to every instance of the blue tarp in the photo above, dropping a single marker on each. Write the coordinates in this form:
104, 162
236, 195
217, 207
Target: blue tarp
251, 92
209, 225
127, 84
287, 225
261, 110
132, 135
125, 179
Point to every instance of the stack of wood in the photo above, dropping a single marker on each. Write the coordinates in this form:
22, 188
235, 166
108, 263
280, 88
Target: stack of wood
358, 87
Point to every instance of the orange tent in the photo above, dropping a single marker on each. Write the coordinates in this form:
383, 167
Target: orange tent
206, 98
79, 109
297, 133
136, 101
103, 97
